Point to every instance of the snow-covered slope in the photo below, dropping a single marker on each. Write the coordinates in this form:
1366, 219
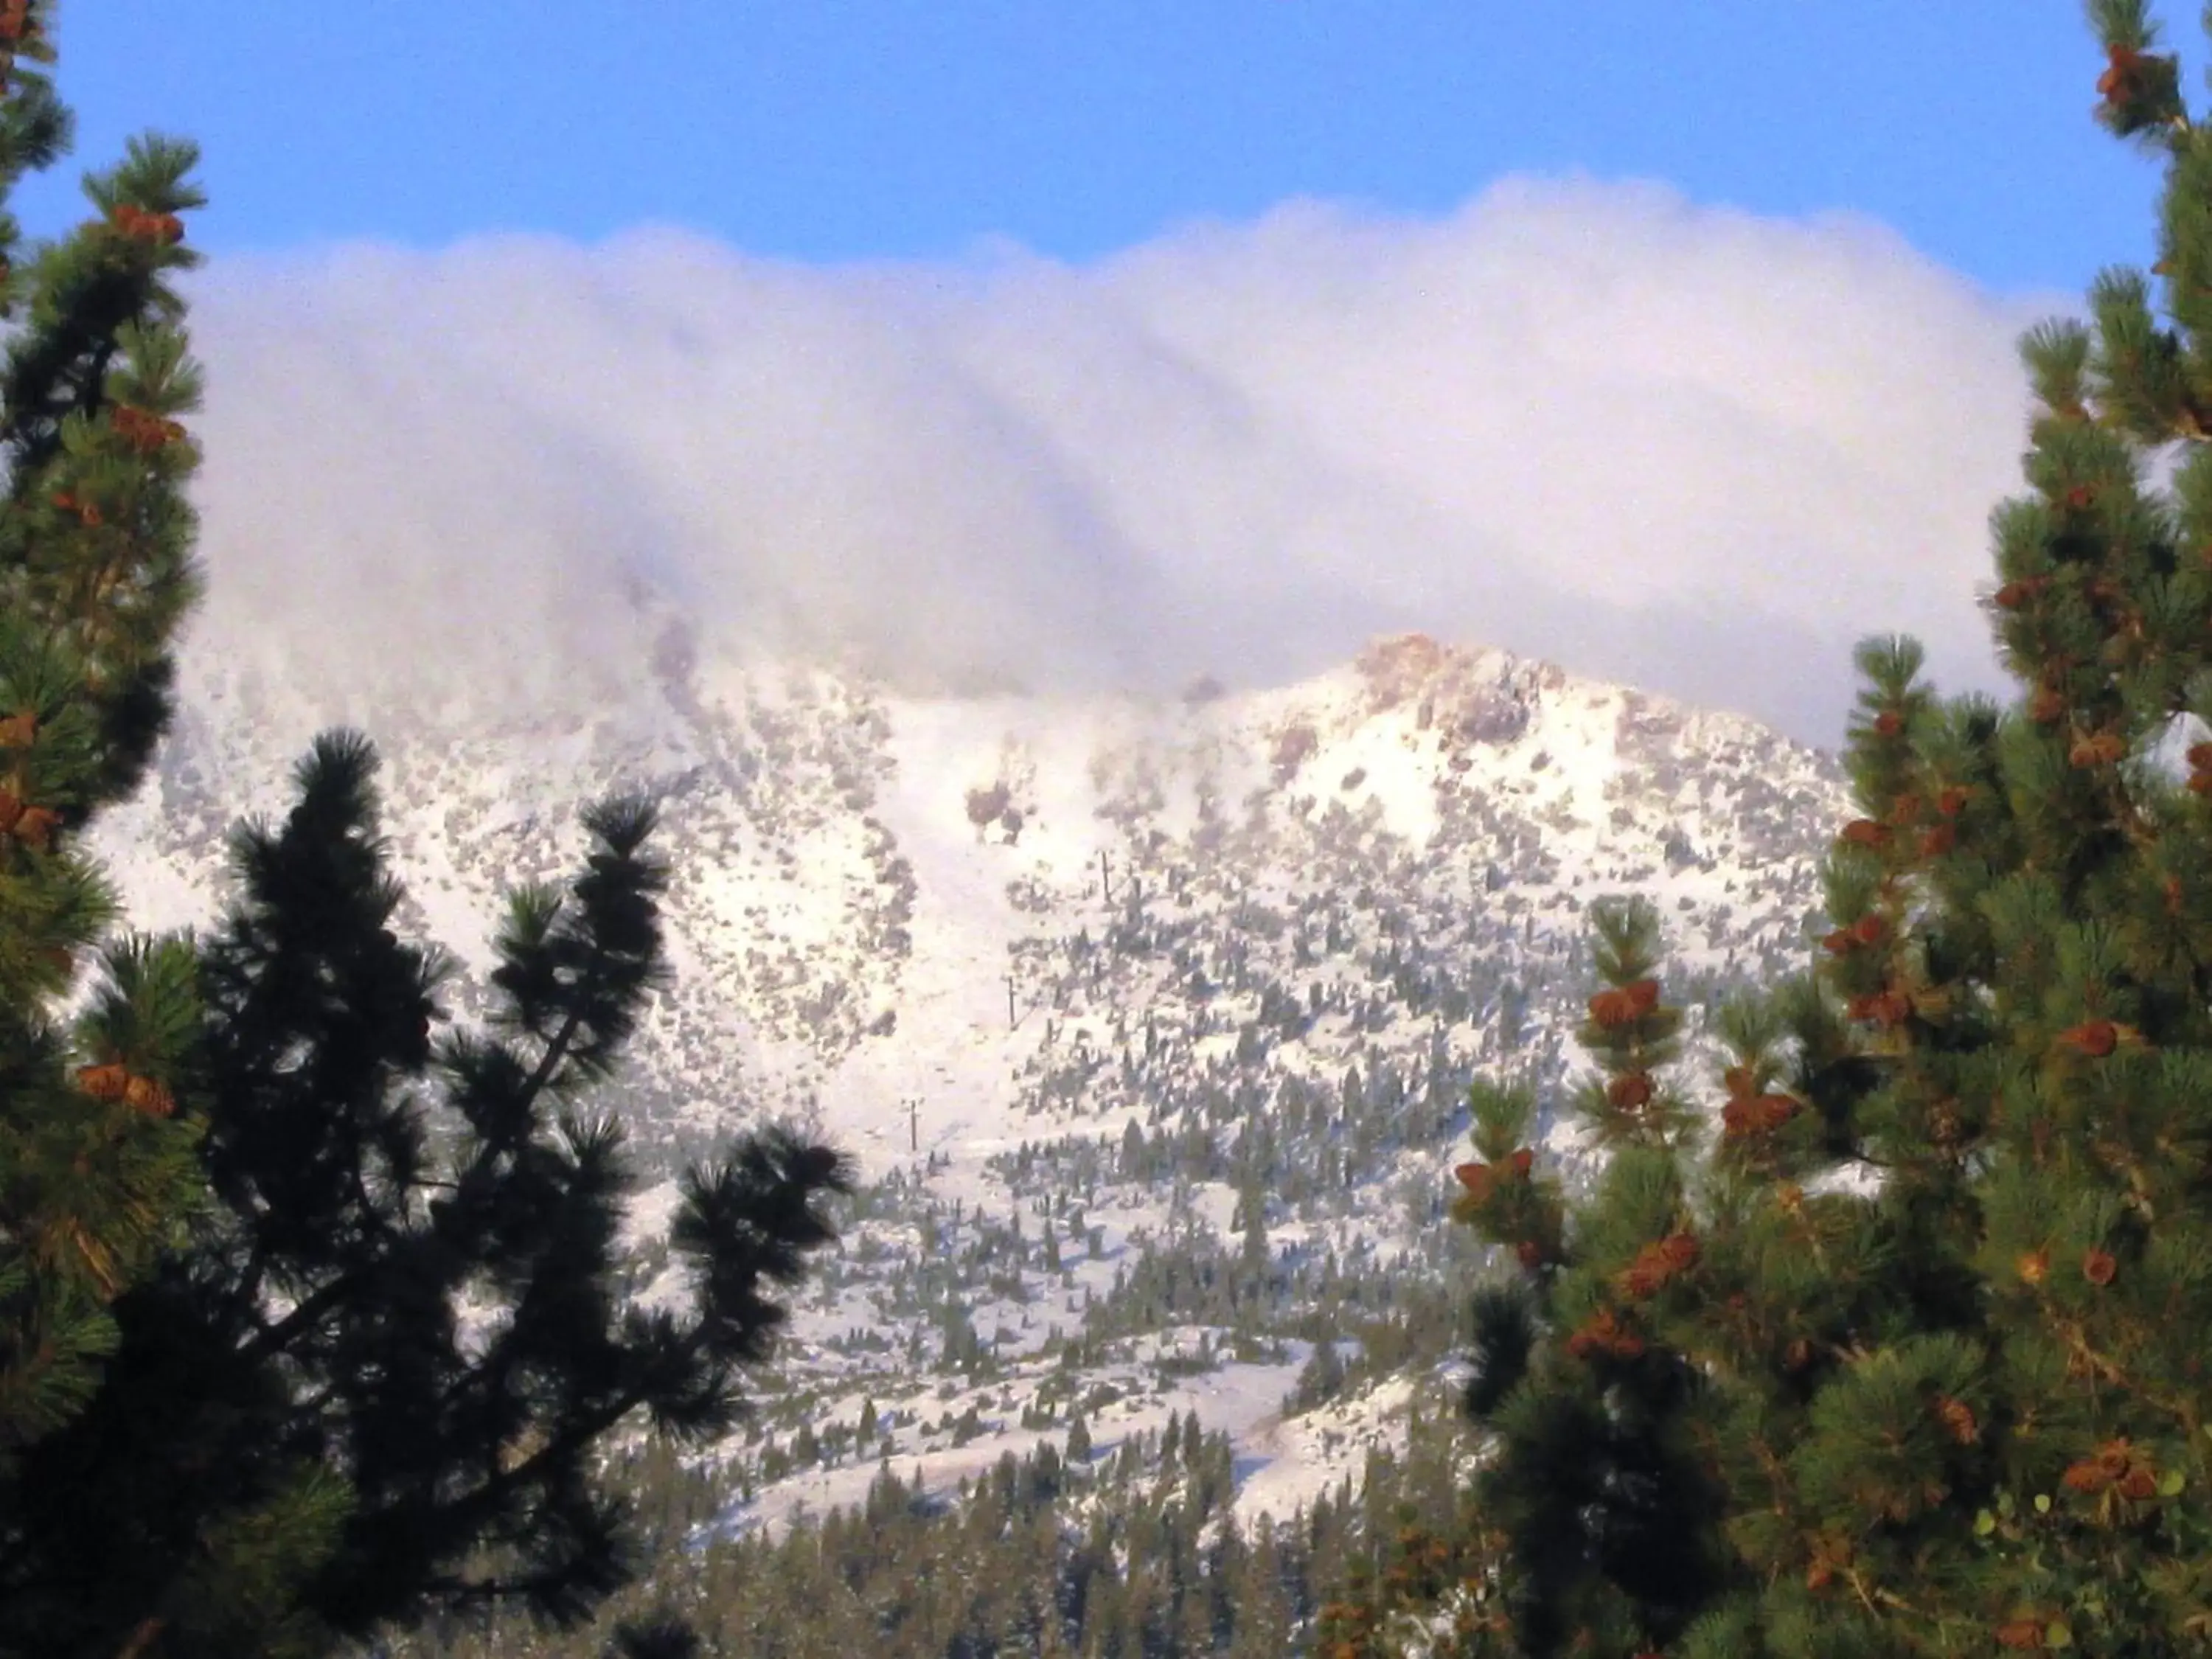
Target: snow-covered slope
977, 937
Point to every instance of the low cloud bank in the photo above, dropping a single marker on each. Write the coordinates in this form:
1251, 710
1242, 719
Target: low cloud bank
1682, 446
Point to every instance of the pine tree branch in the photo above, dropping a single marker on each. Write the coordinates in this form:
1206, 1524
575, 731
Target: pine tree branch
556, 1048
371, 1214
248, 1290
91, 391
466, 1591
274, 1337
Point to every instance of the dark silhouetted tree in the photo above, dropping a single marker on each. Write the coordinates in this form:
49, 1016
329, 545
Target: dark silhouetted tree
373, 1382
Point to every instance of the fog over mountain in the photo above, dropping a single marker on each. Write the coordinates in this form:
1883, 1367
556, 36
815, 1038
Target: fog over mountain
1674, 446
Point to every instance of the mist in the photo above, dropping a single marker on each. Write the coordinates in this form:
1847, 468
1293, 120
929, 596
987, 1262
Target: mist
1677, 446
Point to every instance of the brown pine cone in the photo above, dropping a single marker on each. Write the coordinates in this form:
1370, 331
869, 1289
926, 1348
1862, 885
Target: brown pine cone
2094, 1037
1629, 1093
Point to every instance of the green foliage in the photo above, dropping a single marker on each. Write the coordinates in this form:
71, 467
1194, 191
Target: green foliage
1901, 1355
96, 572
1599, 1508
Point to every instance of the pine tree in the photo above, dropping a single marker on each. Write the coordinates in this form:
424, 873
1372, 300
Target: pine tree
663, 1638
240, 1407
95, 575
373, 1382
1253, 1256
1597, 1482
1932, 1290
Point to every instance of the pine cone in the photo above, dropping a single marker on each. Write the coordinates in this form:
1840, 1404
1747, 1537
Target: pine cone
1756, 1115
2094, 1037
1625, 1005
2122, 79
1957, 1418
1871, 928
143, 430
19, 730
1863, 832
162, 229
2088, 1477
1657, 1263
108, 1082
2046, 705
36, 826
2112, 1464
142, 1094
2139, 1484
1891, 1007
2200, 768
2021, 1633
2034, 1266
1634, 1283
2100, 1266
85, 511
2097, 749
1629, 1093
1938, 842
1953, 800
1602, 1334
1477, 1178
1831, 1553
1888, 723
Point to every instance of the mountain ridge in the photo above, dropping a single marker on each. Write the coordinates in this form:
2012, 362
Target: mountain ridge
979, 939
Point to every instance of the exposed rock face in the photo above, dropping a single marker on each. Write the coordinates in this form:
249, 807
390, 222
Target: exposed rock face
1469, 697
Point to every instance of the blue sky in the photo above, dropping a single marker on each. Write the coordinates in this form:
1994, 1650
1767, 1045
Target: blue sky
853, 130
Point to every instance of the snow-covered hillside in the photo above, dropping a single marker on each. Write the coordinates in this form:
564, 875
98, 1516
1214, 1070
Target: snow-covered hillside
978, 938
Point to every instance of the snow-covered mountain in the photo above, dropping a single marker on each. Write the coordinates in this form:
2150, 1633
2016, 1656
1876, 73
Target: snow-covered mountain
979, 937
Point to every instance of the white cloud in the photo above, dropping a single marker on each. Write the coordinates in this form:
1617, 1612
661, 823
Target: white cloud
1683, 446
